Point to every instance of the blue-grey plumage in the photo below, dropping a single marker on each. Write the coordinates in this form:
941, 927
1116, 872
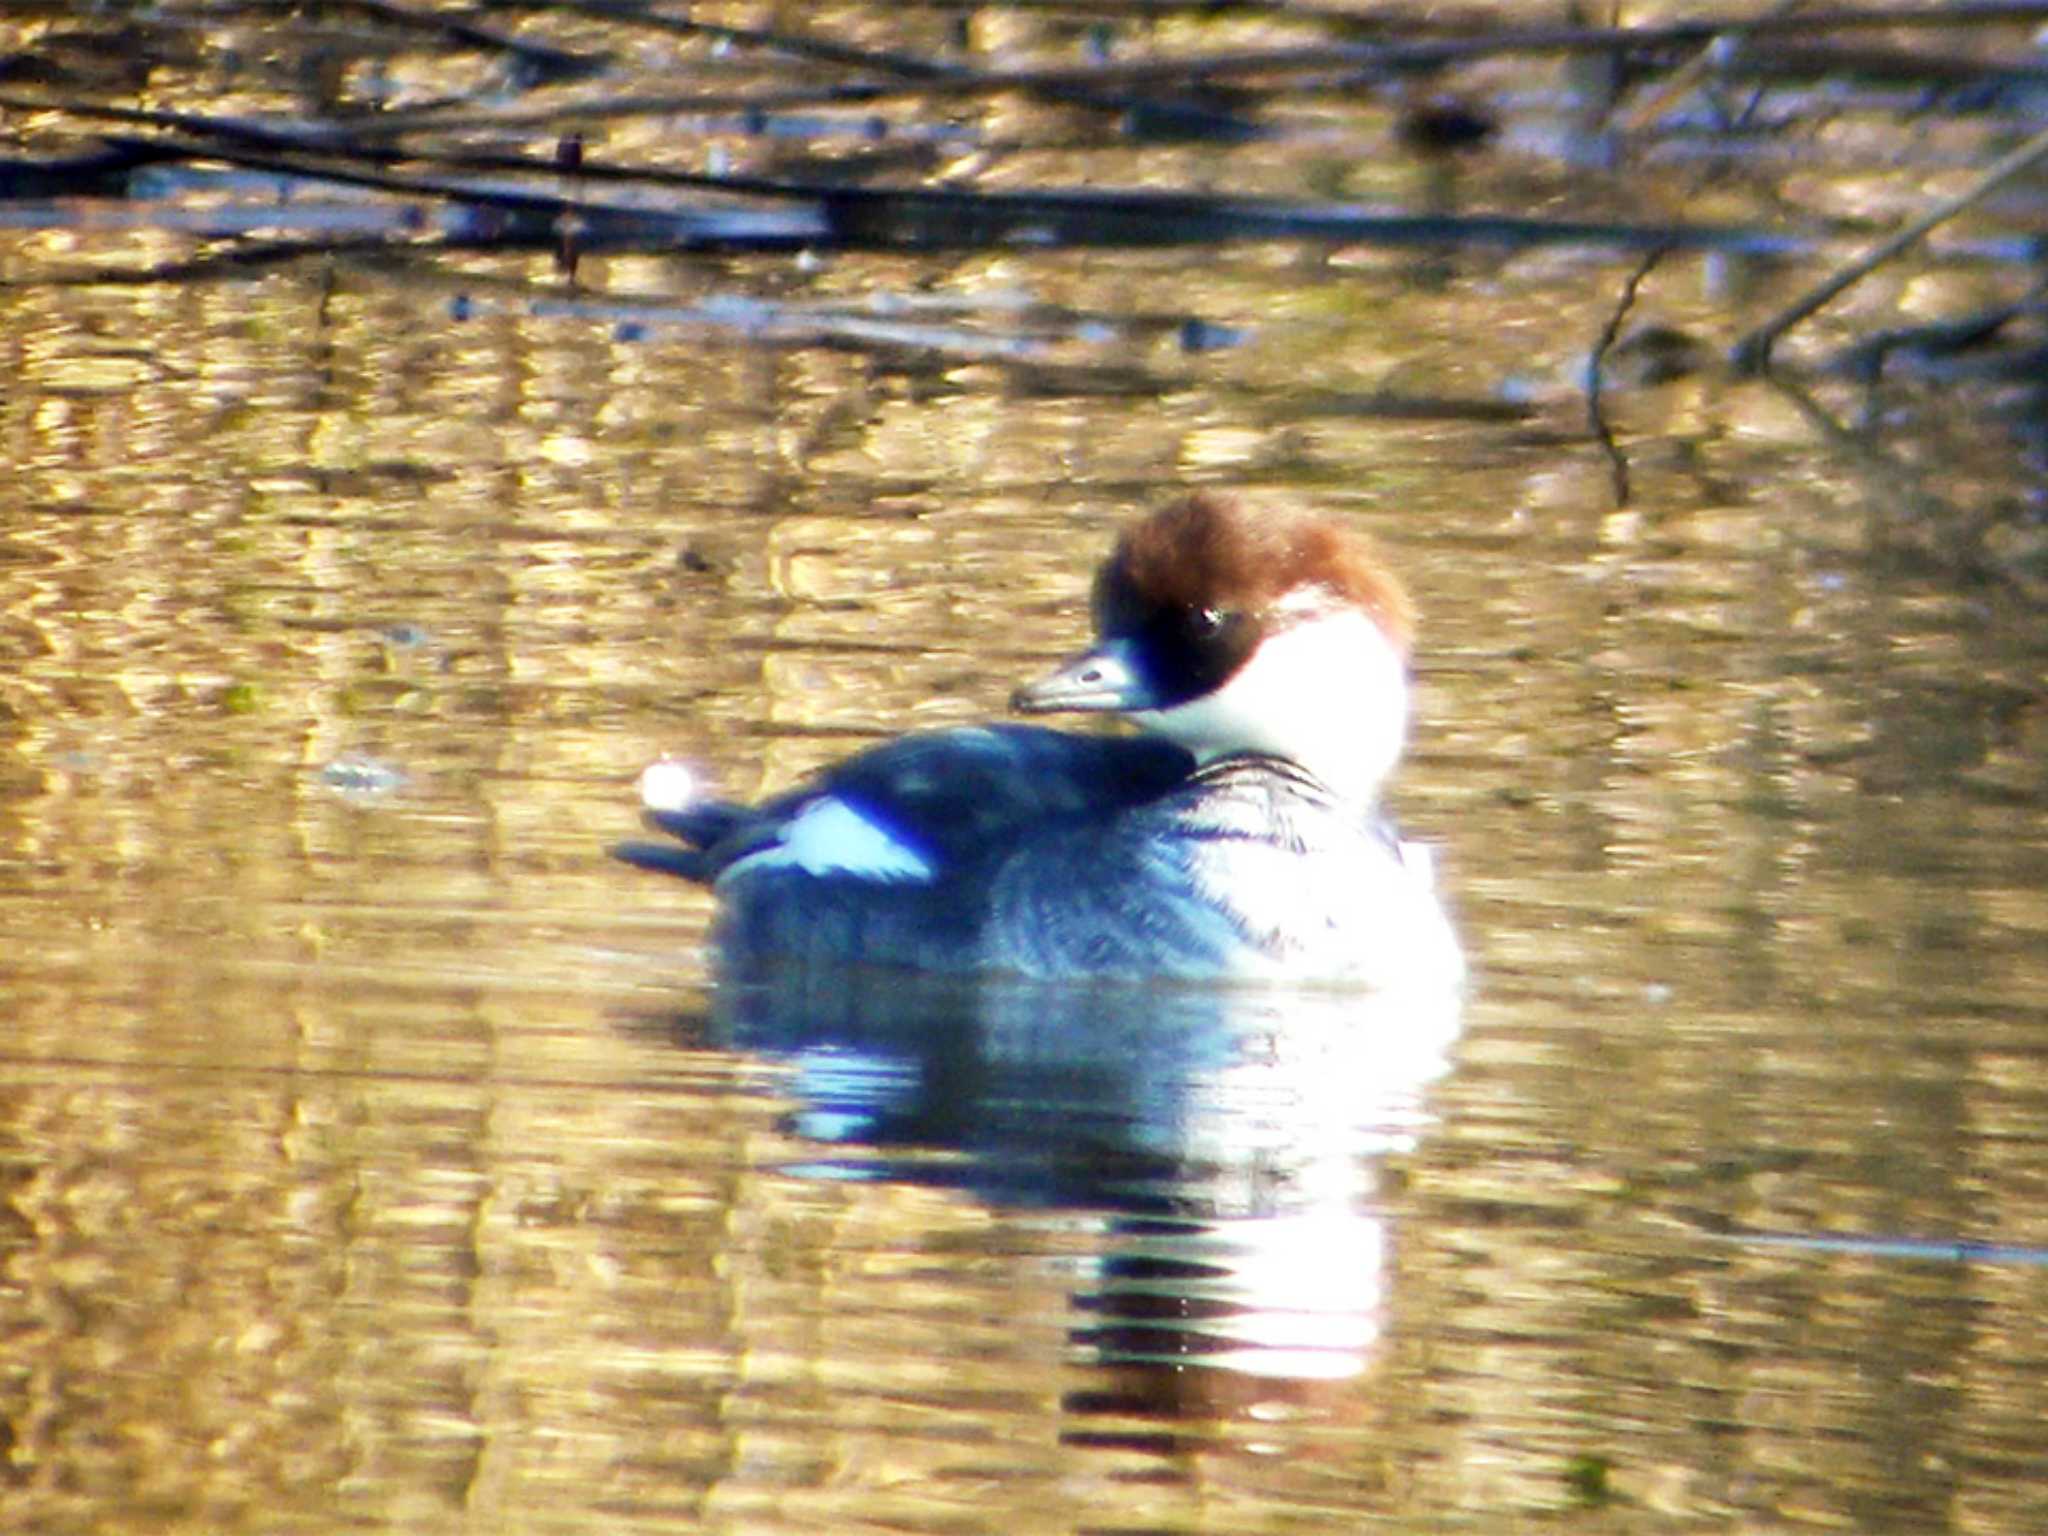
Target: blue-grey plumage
1263, 654
1248, 869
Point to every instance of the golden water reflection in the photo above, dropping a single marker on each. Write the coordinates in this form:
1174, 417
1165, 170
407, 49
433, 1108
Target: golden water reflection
343, 1188
375, 1152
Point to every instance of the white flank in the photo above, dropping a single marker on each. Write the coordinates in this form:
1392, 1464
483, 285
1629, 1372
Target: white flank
1420, 857
830, 837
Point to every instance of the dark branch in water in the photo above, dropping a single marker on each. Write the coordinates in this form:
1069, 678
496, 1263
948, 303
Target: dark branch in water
842, 216
441, 192
1596, 415
931, 218
97, 173
1753, 352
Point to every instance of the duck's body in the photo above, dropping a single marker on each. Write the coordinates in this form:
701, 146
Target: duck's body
1240, 839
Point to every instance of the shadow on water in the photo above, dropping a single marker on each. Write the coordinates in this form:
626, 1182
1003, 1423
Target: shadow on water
1231, 1148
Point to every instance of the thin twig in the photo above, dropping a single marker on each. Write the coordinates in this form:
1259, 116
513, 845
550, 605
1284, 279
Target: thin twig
1707, 61
1596, 415
1753, 352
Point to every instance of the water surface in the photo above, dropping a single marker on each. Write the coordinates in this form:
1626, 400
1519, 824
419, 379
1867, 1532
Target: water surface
378, 1154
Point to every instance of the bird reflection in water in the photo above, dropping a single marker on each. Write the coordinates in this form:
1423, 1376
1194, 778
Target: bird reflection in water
1231, 1142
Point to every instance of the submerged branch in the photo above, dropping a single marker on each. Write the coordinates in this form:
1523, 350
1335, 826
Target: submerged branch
1753, 352
931, 218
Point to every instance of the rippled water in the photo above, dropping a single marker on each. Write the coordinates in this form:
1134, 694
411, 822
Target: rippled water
376, 1153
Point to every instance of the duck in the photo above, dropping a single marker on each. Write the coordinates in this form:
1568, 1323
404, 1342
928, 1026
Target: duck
1260, 654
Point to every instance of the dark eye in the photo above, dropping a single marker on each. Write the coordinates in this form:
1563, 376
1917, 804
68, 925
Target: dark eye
1193, 648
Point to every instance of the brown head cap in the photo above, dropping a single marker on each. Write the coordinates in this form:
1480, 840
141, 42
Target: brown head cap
1217, 551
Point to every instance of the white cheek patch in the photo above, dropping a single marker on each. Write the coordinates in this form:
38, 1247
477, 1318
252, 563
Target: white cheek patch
1329, 693
830, 837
